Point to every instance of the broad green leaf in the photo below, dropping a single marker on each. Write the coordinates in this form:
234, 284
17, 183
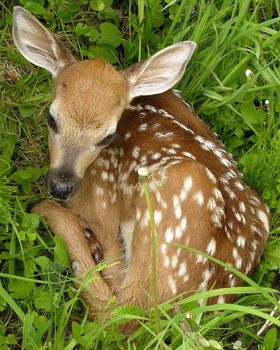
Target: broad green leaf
43, 261
30, 221
109, 54
31, 236
34, 7
20, 289
270, 339
110, 34
100, 5
89, 31
272, 255
251, 115
65, 12
29, 268
26, 111
22, 235
108, 13
76, 329
43, 301
156, 14
130, 49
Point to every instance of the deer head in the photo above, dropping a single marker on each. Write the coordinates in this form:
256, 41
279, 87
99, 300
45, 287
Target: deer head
89, 97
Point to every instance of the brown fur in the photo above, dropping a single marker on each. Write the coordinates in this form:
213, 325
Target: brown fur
134, 287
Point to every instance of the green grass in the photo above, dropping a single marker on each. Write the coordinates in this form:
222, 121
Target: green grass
39, 306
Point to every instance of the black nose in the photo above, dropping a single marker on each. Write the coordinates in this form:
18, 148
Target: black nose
62, 184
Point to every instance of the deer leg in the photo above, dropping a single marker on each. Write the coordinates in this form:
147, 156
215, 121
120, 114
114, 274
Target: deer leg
64, 223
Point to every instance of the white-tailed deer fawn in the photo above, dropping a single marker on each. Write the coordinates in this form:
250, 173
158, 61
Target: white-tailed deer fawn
103, 126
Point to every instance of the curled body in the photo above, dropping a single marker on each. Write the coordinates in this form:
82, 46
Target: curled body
104, 126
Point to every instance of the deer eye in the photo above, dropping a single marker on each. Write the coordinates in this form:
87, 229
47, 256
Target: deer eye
105, 142
51, 122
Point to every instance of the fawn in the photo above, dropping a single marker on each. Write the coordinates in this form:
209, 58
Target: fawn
103, 126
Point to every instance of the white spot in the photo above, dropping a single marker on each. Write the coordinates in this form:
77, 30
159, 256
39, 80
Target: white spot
186, 278
169, 235
264, 219
230, 175
218, 153
99, 191
237, 257
104, 176
182, 270
145, 219
224, 181
163, 249
166, 261
160, 200
171, 151
156, 156
103, 204
242, 207
201, 259
177, 207
174, 261
189, 155
200, 139
178, 232
187, 185
225, 162
157, 216
199, 198
210, 144
230, 192
172, 285
164, 135
248, 268
239, 217
231, 280
127, 135
211, 176
111, 178
135, 152
211, 205
143, 127
183, 224
211, 248
241, 241
239, 185
217, 193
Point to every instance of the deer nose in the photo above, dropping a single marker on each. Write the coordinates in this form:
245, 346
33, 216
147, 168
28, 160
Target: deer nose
62, 185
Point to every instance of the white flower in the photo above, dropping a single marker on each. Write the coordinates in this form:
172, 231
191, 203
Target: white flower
237, 345
266, 102
143, 171
248, 73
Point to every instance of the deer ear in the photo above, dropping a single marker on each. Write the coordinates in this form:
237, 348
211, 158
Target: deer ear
160, 72
37, 44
